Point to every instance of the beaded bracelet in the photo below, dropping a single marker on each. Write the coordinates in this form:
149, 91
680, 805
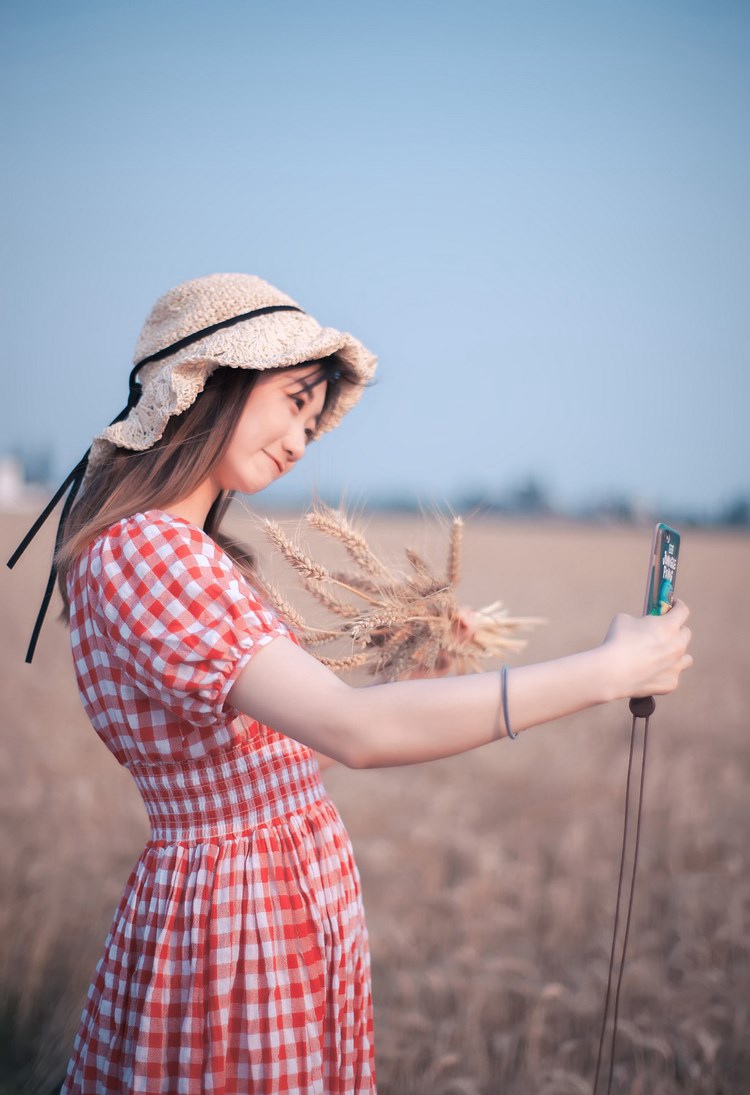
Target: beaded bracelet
504, 701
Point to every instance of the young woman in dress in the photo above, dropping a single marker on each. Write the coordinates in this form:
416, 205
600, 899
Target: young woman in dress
237, 960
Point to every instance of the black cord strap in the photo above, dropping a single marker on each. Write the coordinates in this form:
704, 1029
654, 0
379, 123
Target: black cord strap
71, 484
630, 906
642, 707
64, 486
198, 335
78, 473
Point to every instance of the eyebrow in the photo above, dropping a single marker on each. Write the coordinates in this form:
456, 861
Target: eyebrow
306, 388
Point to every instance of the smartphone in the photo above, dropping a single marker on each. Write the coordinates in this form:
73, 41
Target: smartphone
662, 571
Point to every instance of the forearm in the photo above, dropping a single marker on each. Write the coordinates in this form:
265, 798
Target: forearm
418, 720
413, 721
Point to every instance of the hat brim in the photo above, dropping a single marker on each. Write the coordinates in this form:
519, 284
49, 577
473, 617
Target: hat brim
281, 340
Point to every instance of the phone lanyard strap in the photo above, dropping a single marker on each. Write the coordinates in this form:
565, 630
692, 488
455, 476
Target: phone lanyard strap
641, 708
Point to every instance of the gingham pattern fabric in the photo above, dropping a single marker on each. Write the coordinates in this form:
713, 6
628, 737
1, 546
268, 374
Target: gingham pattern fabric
237, 961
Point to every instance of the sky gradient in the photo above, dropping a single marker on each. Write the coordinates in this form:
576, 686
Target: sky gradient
535, 213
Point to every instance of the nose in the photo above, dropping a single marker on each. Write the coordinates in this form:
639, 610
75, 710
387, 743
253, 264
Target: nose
295, 442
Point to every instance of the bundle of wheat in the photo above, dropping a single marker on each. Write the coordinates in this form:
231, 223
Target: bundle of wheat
395, 624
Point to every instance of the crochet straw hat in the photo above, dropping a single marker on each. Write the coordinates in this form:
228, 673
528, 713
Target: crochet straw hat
234, 320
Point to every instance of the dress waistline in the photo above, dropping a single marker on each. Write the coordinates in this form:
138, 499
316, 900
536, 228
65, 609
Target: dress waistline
229, 793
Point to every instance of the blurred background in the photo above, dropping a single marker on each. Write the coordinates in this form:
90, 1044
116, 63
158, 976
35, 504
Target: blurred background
536, 214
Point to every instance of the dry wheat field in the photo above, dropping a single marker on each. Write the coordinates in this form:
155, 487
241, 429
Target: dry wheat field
489, 879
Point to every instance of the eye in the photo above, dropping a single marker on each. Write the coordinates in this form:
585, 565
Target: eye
309, 434
298, 401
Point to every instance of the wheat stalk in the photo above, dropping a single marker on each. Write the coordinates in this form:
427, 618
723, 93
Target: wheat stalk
400, 663
359, 583
413, 624
354, 661
428, 653
315, 637
283, 607
303, 564
294, 554
335, 524
424, 581
454, 551
377, 620
333, 604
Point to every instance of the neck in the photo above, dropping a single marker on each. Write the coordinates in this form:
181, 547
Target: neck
194, 507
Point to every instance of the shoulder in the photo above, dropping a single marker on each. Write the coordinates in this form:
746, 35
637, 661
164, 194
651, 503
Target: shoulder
157, 542
154, 529
152, 571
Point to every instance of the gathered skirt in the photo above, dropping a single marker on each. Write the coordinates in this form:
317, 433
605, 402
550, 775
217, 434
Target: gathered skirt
237, 961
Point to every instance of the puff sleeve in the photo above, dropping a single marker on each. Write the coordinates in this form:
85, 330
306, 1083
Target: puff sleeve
179, 617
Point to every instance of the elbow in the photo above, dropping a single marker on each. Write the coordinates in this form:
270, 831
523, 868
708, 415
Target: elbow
354, 747
357, 757
354, 751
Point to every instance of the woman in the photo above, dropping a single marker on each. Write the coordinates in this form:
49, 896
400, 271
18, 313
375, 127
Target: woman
237, 960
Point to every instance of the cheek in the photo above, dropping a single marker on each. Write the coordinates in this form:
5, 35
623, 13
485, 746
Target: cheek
248, 437
264, 420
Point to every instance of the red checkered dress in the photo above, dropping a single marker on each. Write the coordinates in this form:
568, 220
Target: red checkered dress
237, 961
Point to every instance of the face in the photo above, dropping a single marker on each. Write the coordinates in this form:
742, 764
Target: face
278, 420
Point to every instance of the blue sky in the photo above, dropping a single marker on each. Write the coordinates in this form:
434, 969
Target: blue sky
535, 213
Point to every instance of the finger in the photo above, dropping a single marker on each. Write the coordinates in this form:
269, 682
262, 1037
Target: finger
678, 613
685, 662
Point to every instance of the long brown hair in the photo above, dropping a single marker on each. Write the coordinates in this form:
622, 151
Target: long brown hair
128, 482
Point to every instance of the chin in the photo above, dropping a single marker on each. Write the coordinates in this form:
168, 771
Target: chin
251, 486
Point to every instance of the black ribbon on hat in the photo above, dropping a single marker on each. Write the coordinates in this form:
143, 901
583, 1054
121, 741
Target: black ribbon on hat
72, 482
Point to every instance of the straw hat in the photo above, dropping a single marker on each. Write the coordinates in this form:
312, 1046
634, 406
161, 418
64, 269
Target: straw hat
234, 320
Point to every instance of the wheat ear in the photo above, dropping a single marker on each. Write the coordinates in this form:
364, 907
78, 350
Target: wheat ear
454, 551
427, 653
333, 604
398, 662
334, 523
319, 638
384, 618
352, 662
294, 554
282, 606
424, 582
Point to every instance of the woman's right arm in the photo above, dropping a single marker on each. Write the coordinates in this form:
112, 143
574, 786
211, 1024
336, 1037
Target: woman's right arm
411, 721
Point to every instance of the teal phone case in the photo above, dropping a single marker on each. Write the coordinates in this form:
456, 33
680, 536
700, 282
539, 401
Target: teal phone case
663, 571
